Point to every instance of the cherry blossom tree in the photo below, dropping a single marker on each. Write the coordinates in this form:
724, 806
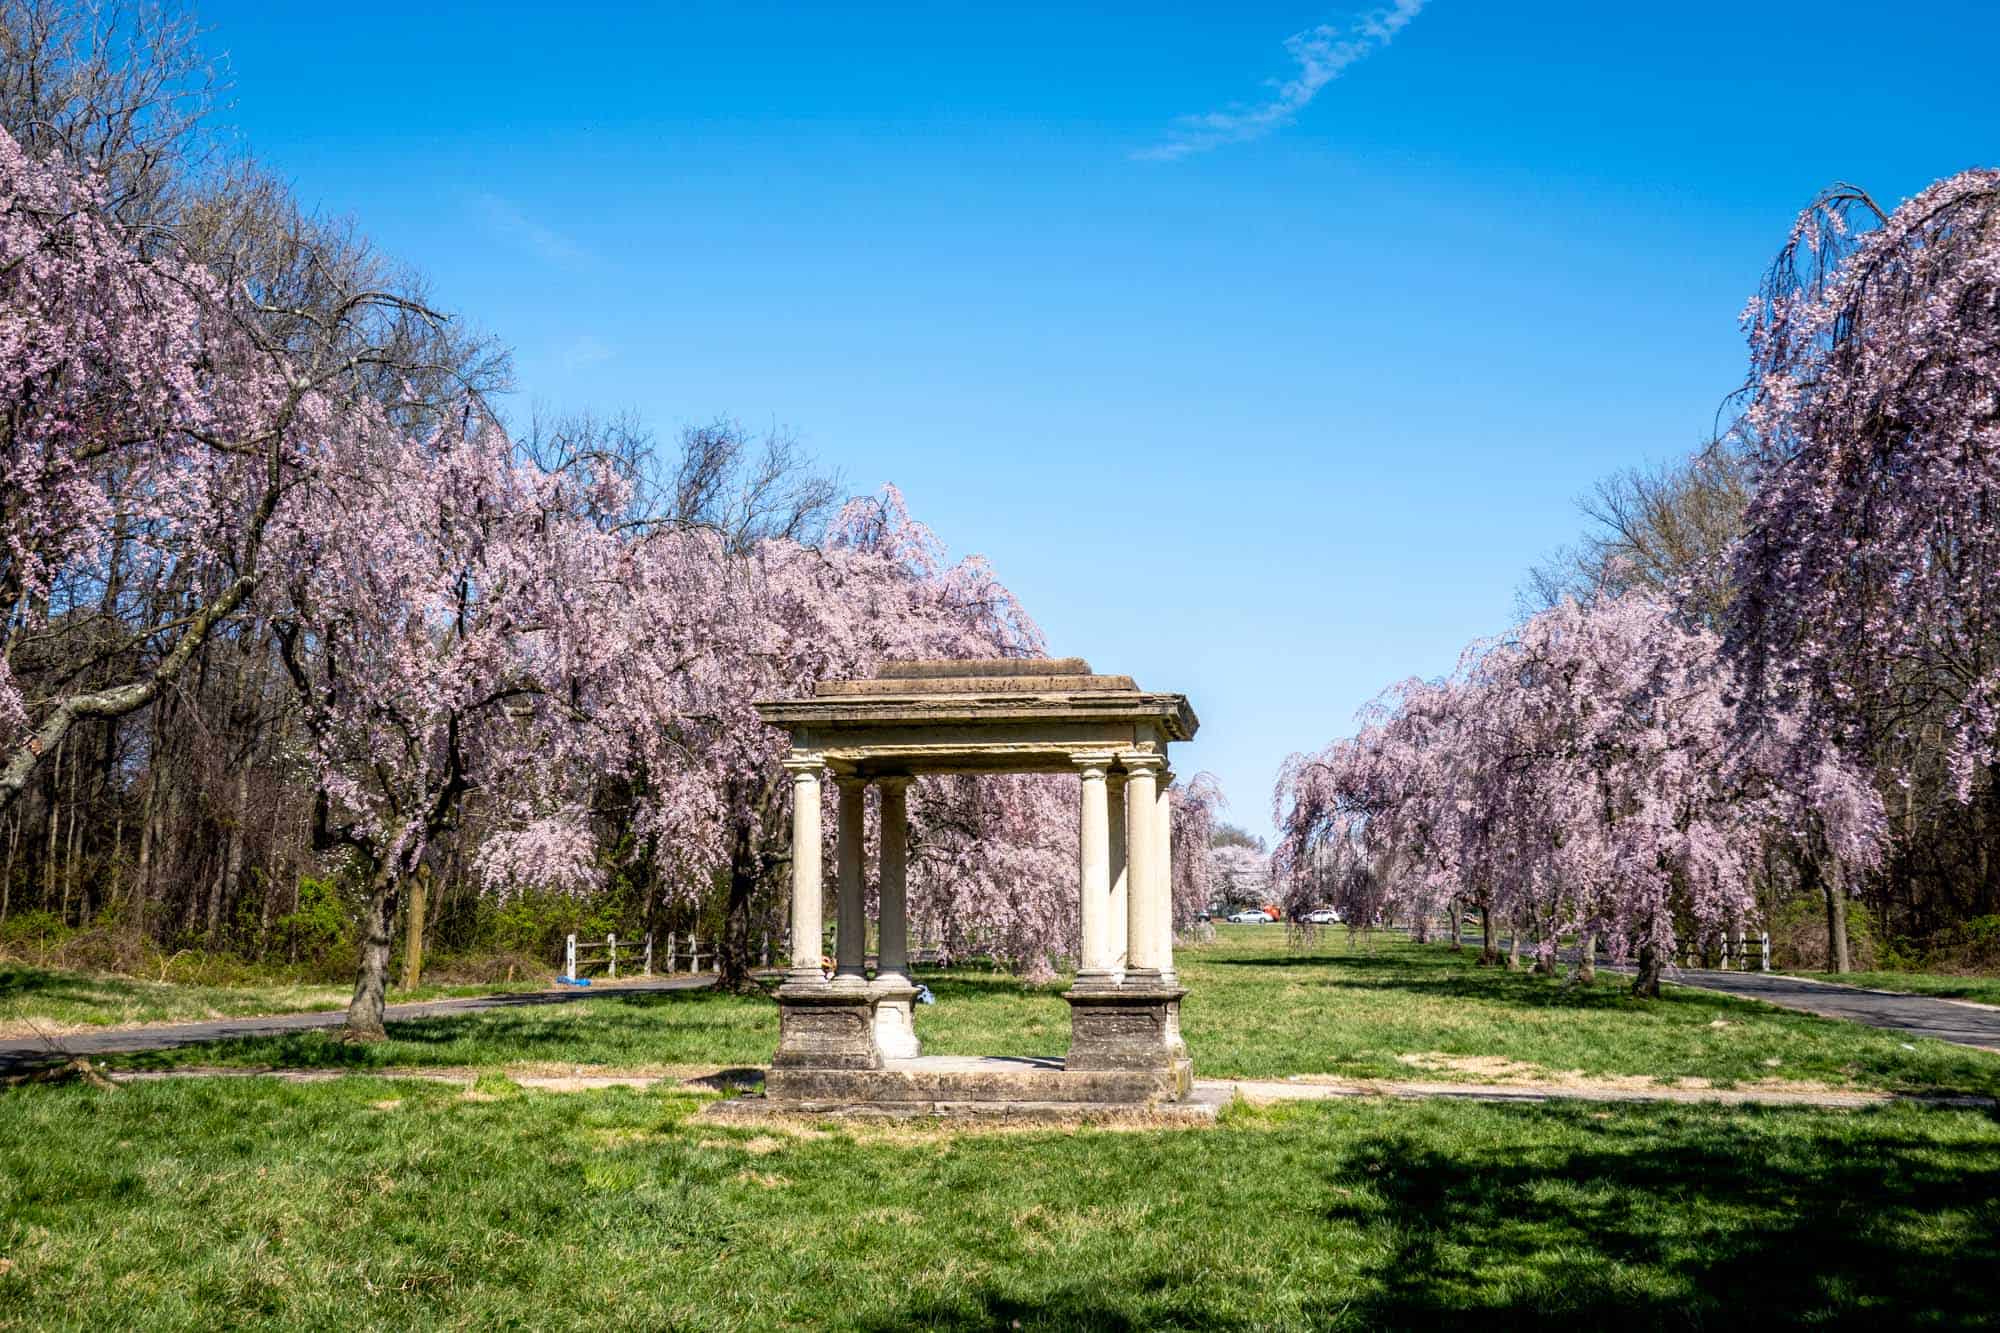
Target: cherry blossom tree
154, 423
1242, 876
1868, 575
722, 629
1585, 774
442, 619
1195, 805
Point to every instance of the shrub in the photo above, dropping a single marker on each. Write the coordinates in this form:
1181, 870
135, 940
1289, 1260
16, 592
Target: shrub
1798, 937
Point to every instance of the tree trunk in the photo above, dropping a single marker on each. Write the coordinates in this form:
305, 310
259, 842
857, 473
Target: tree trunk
1586, 960
1455, 911
230, 881
72, 873
1513, 948
1651, 966
149, 810
1489, 946
13, 845
413, 930
1836, 917
364, 1011
732, 955
49, 851
1545, 959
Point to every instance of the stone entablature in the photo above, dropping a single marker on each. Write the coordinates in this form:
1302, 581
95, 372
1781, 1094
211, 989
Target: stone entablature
971, 717
986, 716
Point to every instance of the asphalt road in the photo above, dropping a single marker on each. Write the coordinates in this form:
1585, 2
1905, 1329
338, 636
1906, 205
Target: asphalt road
19, 1055
1912, 1015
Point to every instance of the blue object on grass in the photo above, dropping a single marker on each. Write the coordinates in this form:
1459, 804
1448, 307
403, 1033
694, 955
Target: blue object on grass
572, 981
924, 995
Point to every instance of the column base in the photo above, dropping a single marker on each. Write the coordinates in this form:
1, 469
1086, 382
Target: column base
826, 1027
1129, 1027
895, 1017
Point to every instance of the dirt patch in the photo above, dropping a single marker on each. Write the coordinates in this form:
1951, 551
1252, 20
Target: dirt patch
28, 1029
585, 1082
1499, 1070
1501, 1079
715, 1078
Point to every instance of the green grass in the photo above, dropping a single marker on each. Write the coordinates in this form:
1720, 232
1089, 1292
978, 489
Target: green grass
54, 1000
1257, 1007
375, 1203
1983, 990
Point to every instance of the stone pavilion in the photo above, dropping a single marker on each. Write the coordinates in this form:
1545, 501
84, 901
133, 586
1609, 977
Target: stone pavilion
847, 1041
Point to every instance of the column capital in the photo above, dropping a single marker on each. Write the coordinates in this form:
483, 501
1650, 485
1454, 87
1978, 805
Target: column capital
1142, 761
805, 764
847, 780
1094, 761
895, 782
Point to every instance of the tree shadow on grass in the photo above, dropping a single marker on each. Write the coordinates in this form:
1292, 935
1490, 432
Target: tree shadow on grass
960, 986
1825, 1224
1094, 1305
1458, 981
19, 983
1664, 1220
519, 1031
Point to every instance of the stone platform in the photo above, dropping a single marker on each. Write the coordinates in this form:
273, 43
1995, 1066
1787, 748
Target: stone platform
981, 1087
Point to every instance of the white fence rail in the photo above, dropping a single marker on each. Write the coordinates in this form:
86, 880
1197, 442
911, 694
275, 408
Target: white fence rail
579, 953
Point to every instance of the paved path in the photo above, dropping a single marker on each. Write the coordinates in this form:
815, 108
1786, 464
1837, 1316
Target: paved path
1911, 1015
21, 1054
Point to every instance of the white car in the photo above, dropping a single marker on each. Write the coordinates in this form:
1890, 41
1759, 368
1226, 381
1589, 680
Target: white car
1250, 917
1322, 916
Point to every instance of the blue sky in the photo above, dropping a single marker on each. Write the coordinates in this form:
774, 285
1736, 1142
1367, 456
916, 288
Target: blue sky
1261, 347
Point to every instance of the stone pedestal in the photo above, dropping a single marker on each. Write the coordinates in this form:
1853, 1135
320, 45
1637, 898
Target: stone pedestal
826, 1027
895, 1017
980, 1087
1133, 1028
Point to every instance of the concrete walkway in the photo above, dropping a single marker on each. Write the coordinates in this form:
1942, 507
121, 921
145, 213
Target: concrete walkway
18, 1055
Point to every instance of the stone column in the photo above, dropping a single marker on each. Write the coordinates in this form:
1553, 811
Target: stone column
851, 929
807, 888
1142, 850
1163, 875
895, 1026
820, 1027
1131, 1029
894, 955
1117, 917
1095, 966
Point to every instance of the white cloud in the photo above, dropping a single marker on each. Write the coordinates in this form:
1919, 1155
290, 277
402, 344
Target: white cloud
583, 351
509, 223
1322, 55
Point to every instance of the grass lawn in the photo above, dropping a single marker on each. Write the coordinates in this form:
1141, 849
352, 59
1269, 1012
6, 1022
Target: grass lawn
57, 1001
1258, 1006
1983, 990
374, 1201
370, 1202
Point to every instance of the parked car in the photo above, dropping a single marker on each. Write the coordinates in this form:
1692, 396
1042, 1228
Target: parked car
1251, 916
1321, 916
